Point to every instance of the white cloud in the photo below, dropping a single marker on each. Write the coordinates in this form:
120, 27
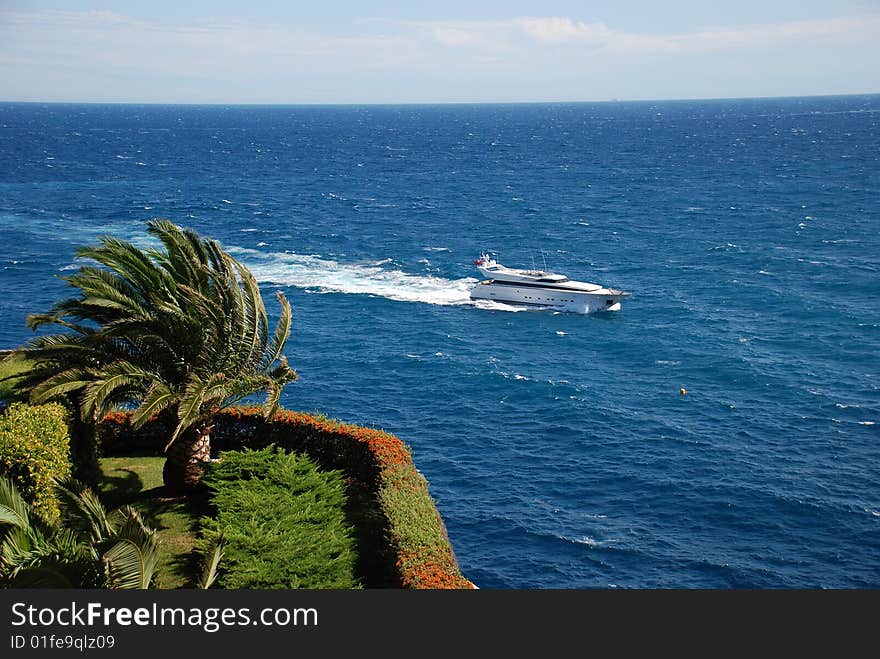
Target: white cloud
805, 33
456, 36
556, 31
560, 30
98, 54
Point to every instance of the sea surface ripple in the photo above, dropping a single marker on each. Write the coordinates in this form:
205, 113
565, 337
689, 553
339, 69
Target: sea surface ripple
557, 446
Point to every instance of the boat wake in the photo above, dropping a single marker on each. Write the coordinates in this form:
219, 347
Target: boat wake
317, 274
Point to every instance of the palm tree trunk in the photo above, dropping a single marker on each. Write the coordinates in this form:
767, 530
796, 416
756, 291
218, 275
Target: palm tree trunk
186, 458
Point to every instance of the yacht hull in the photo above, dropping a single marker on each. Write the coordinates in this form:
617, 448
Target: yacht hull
603, 299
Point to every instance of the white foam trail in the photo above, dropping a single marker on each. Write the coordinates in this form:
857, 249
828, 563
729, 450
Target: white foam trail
327, 276
498, 306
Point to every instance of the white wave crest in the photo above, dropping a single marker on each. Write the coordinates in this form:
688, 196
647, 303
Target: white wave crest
328, 276
586, 540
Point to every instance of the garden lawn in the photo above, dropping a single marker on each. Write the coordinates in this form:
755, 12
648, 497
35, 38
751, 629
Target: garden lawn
8, 368
137, 481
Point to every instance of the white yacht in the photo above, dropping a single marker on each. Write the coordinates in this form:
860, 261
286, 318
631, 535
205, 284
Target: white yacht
541, 288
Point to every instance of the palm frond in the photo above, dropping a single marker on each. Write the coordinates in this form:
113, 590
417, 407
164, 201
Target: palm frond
61, 383
13, 508
211, 565
83, 512
109, 380
132, 264
272, 402
278, 376
184, 254
36, 320
131, 561
282, 331
190, 407
254, 325
158, 398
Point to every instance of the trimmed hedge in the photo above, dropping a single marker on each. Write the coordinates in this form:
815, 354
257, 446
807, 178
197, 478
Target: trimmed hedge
283, 520
421, 554
34, 450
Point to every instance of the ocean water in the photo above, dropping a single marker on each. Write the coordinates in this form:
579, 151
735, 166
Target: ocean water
557, 446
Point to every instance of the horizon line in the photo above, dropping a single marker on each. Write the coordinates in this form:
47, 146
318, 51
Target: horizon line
425, 103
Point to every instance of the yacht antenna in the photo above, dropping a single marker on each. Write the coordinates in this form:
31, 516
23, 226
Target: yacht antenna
534, 267
545, 259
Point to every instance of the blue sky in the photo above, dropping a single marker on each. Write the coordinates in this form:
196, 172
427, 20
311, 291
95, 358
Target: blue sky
278, 51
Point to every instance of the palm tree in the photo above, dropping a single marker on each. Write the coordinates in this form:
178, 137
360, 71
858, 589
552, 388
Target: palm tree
87, 547
179, 332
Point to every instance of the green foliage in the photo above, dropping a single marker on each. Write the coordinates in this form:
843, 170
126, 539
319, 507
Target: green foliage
181, 330
211, 563
12, 369
283, 522
411, 511
137, 482
35, 450
87, 547
401, 537
15, 372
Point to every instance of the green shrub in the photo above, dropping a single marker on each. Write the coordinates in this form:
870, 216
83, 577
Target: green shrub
83, 441
283, 520
34, 450
401, 536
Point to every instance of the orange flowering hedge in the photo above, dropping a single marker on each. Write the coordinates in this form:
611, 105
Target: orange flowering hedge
379, 460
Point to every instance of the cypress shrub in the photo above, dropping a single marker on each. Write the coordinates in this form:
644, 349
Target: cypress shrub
35, 450
283, 520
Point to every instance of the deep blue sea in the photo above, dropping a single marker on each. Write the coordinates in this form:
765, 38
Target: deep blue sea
557, 446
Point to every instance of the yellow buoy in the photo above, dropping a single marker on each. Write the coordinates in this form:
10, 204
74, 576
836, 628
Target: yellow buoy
682, 391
